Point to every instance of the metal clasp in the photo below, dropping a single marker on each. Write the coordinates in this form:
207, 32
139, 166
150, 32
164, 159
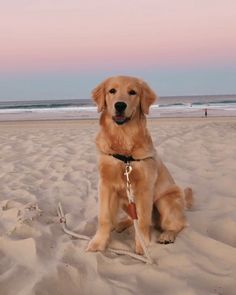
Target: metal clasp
128, 169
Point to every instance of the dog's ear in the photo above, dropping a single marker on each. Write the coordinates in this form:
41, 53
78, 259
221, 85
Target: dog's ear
148, 97
98, 95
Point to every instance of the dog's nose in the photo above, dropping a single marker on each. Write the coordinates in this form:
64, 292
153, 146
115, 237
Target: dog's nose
120, 106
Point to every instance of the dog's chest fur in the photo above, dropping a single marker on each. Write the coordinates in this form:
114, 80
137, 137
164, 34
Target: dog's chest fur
112, 173
134, 141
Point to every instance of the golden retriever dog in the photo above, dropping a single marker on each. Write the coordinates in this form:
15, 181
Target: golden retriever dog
123, 137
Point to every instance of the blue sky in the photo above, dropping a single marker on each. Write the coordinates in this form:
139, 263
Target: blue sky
70, 85
54, 49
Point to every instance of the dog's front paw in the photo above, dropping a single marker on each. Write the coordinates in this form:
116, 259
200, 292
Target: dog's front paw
138, 247
97, 244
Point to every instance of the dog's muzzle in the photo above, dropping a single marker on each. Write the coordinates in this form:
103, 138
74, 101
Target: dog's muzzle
120, 117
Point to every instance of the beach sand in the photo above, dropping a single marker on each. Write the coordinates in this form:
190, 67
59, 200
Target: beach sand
42, 163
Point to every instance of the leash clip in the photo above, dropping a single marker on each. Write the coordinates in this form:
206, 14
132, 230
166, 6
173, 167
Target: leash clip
128, 169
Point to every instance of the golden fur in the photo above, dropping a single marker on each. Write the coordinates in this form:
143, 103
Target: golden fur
125, 133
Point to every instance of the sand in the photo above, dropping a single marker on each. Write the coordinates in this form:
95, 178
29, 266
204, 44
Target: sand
43, 163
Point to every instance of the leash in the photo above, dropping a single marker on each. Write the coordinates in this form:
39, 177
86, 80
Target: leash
132, 212
62, 219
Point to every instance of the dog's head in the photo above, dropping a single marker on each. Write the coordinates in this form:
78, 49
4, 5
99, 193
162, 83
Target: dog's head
123, 97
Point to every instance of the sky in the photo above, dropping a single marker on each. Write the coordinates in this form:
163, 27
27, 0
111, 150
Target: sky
61, 49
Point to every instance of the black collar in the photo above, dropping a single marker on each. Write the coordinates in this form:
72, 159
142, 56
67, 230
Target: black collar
125, 159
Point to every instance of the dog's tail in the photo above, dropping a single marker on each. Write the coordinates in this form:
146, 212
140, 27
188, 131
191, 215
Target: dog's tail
189, 200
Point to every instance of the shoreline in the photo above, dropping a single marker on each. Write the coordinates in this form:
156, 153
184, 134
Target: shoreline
16, 123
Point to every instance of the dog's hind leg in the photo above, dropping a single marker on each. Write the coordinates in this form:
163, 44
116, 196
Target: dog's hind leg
126, 222
123, 225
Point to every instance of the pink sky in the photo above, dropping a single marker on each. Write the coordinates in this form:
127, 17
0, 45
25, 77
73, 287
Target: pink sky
72, 34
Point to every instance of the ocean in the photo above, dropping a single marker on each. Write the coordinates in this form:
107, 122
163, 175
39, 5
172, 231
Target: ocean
175, 106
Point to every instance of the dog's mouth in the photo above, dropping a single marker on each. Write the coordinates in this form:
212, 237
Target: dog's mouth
120, 119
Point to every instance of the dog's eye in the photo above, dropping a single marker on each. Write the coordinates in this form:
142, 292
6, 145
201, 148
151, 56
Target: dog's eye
132, 92
112, 90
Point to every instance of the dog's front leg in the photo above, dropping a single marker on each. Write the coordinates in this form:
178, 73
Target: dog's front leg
144, 205
101, 238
